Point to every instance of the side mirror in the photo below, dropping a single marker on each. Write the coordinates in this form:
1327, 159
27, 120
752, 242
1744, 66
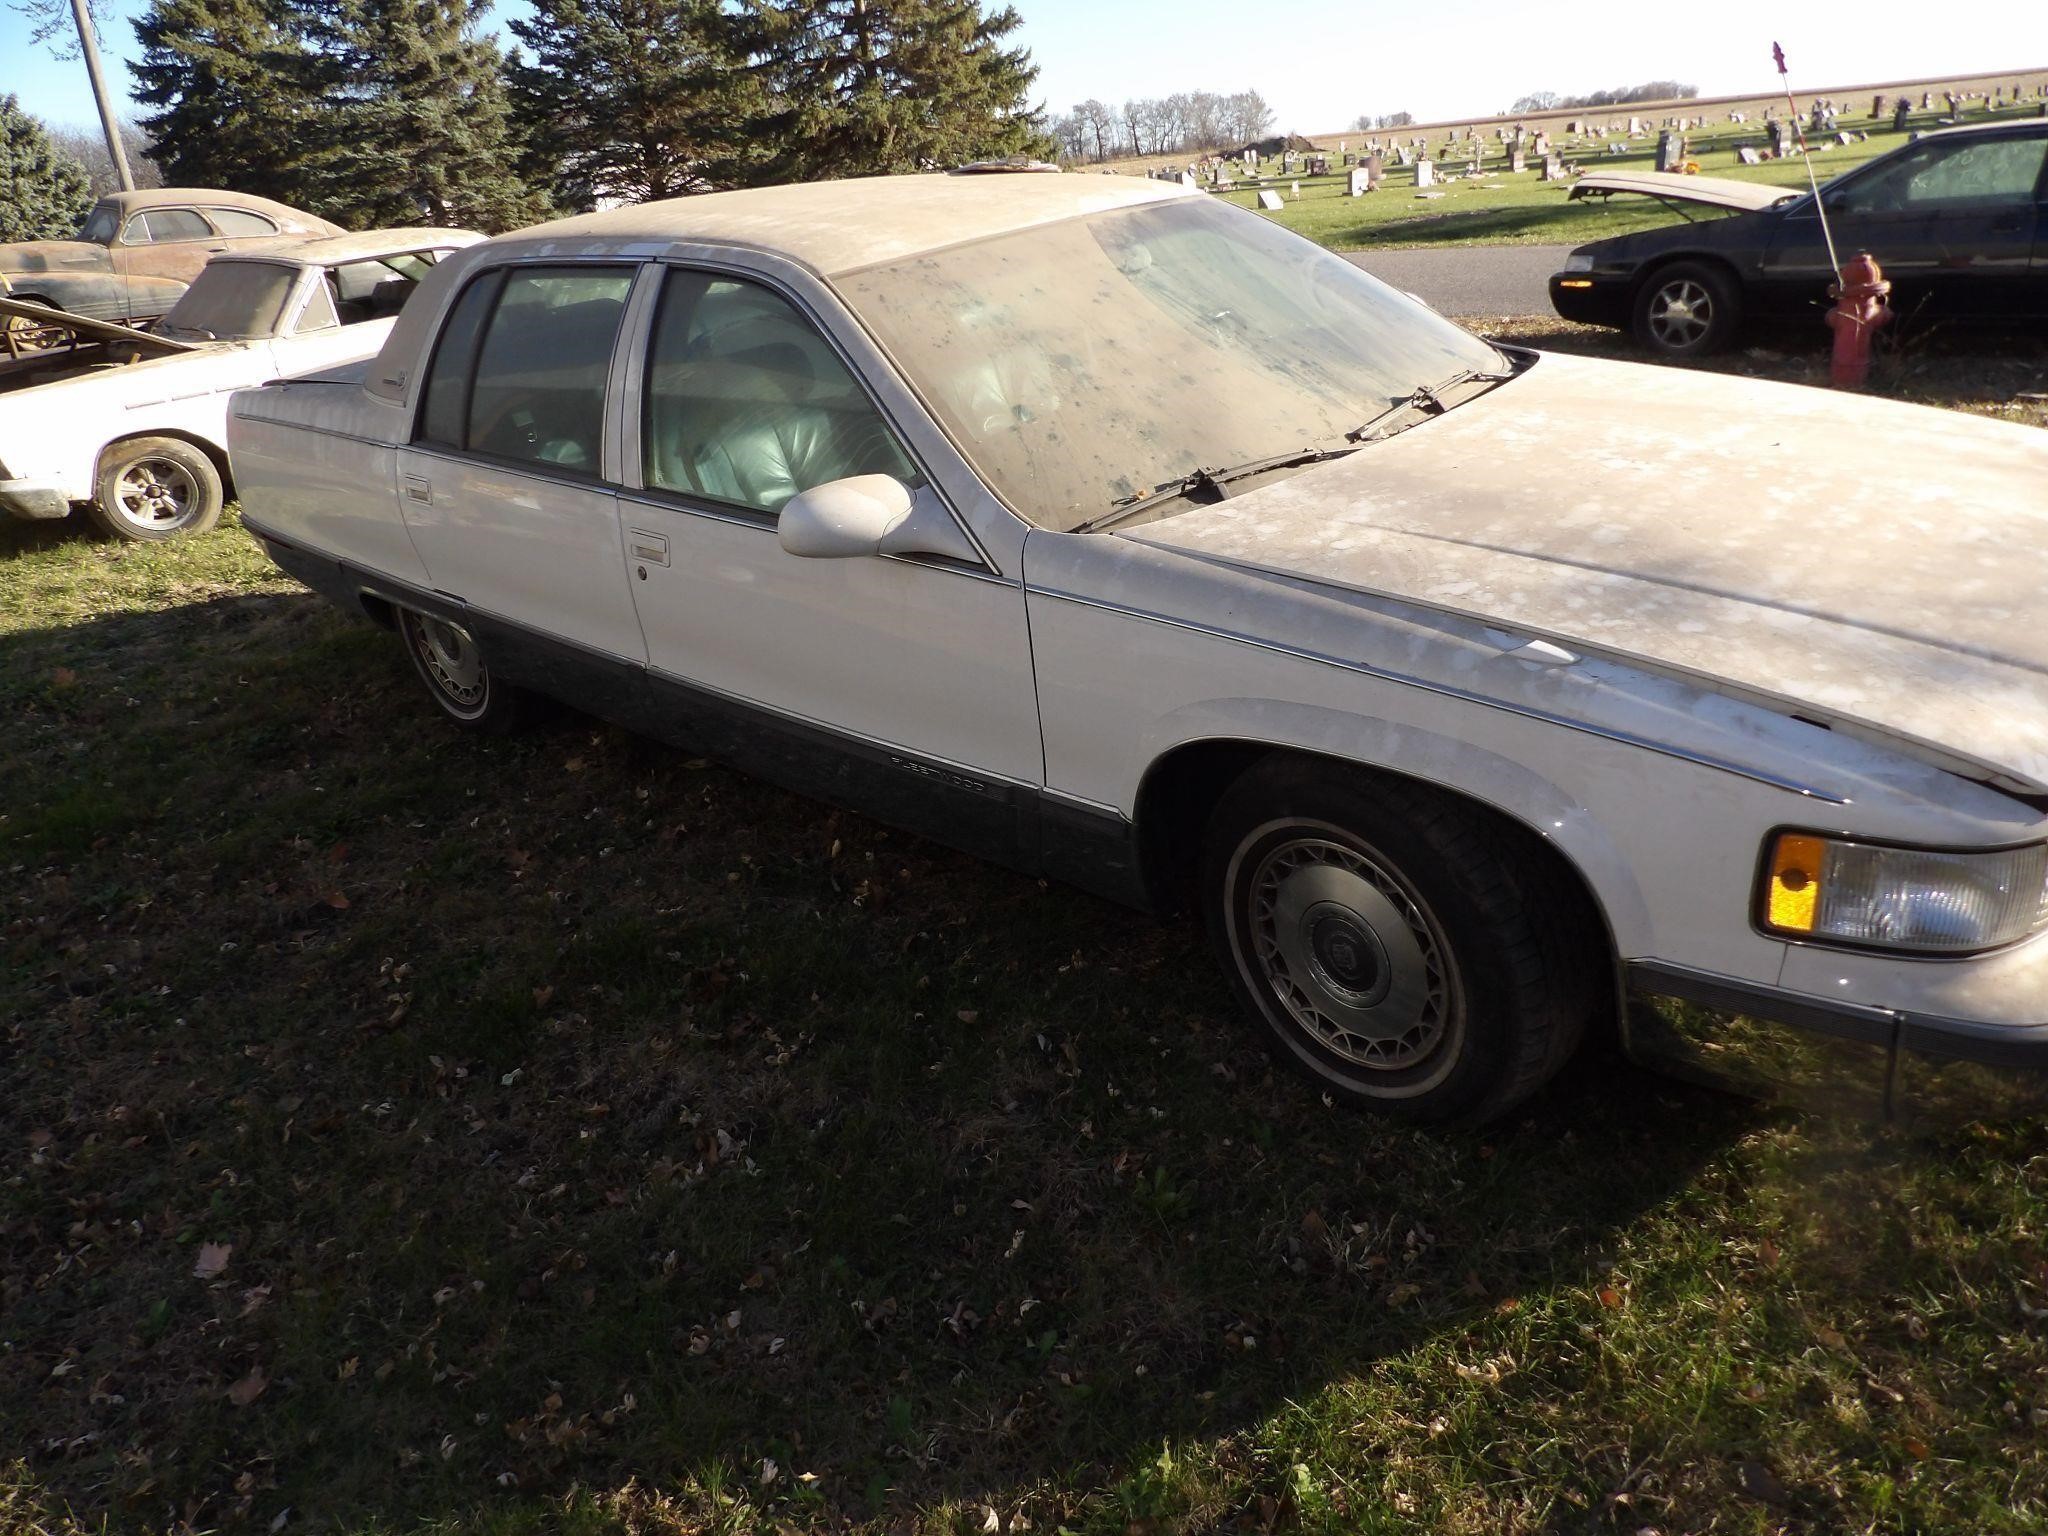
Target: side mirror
870, 515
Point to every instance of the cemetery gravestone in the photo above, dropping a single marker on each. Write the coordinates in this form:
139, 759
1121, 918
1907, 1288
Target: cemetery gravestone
1425, 173
1270, 200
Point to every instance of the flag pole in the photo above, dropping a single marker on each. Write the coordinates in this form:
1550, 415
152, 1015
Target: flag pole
1819, 207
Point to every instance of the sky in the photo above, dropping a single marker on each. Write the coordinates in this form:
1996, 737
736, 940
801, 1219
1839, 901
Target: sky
1321, 63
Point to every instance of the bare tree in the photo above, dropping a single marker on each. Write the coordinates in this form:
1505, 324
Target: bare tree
90, 150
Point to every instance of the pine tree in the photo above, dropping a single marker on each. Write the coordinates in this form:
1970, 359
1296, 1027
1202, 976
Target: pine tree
629, 100
418, 122
44, 193
233, 93
867, 87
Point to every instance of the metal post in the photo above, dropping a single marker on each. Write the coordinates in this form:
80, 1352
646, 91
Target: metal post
89, 46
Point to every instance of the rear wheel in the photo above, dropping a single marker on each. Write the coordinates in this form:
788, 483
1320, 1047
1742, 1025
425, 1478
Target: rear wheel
1688, 309
156, 488
458, 676
1400, 948
19, 334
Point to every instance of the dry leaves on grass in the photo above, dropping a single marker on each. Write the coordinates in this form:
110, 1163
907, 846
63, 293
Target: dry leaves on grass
249, 1388
213, 1258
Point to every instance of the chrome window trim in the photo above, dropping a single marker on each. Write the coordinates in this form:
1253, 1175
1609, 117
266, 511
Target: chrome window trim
1445, 690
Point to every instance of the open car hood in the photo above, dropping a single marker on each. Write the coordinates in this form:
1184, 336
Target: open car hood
1670, 187
146, 343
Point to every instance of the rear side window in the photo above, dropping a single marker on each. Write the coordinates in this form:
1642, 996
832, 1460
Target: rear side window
535, 392
240, 222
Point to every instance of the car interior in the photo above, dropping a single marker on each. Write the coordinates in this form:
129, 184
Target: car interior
746, 402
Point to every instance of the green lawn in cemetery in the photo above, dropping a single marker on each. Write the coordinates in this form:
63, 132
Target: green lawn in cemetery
1507, 208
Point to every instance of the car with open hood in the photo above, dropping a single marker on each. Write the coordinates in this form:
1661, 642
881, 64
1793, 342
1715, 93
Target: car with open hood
1112, 532
135, 253
1957, 219
132, 424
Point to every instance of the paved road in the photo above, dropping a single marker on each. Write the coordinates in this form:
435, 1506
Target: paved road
1471, 279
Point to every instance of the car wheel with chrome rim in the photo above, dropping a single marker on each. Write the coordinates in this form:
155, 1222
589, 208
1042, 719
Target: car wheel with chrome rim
1688, 309
153, 488
458, 677
1403, 949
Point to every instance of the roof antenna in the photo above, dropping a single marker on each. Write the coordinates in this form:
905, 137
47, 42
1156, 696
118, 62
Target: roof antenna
1819, 207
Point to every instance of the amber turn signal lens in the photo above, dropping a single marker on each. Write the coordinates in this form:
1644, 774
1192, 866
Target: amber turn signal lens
1574, 282
1794, 894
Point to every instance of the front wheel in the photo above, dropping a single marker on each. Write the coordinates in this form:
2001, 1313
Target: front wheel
458, 676
1688, 309
1403, 950
156, 488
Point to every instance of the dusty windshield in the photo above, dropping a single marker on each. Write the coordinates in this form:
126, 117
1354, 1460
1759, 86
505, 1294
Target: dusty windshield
230, 299
1082, 363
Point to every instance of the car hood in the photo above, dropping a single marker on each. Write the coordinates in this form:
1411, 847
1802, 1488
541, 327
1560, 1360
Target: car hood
1671, 187
1878, 565
54, 256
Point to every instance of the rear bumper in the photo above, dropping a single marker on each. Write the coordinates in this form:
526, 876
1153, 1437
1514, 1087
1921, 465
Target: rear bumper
1605, 301
1875, 1062
34, 500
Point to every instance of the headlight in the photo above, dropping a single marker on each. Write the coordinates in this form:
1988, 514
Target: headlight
1913, 899
1579, 261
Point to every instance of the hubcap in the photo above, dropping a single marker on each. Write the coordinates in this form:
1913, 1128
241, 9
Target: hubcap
451, 659
156, 494
1681, 313
1349, 953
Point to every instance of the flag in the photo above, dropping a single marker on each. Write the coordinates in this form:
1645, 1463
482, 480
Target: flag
1778, 54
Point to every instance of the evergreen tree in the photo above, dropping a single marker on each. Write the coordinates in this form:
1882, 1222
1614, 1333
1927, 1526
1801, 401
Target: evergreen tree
629, 100
418, 124
866, 87
44, 193
233, 96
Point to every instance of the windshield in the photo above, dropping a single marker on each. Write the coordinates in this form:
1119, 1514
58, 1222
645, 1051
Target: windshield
230, 299
1082, 363
99, 225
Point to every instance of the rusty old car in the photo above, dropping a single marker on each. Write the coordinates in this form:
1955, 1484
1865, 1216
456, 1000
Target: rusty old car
136, 252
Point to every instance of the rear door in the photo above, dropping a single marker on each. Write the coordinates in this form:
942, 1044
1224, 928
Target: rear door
503, 485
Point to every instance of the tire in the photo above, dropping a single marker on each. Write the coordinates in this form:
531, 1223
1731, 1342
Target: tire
1409, 953
1688, 309
21, 335
153, 488
452, 665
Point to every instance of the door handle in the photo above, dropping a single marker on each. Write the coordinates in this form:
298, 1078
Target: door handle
651, 547
417, 489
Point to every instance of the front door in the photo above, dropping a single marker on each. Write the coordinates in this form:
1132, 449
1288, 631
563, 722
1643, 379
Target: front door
898, 685
1952, 222
502, 486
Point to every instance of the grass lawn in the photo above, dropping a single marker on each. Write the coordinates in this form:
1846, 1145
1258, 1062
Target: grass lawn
405, 1131
1508, 208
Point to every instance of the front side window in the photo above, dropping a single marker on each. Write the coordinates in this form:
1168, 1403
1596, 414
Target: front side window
230, 300
168, 225
1933, 174
746, 403
1082, 363
240, 223
535, 392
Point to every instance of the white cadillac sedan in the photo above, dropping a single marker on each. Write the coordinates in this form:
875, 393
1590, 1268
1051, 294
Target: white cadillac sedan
1117, 534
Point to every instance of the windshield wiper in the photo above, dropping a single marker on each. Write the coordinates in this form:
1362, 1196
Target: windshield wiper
1425, 397
1212, 480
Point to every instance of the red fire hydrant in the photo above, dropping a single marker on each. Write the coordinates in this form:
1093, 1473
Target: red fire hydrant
1859, 313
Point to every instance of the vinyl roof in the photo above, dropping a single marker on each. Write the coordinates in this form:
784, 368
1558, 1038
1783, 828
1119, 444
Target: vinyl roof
839, 226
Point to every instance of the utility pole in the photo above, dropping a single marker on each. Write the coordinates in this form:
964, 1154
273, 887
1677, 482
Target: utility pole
88, 45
